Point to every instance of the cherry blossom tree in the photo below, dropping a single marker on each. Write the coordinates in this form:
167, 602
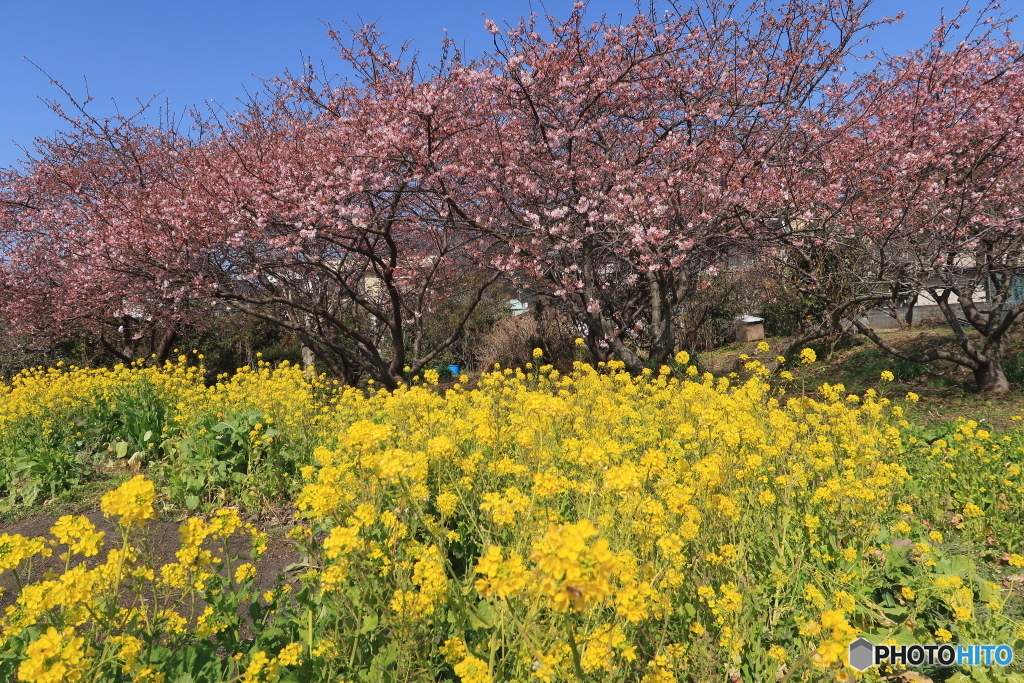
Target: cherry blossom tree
322, 208
624, 160
331, 213
59, 276
919, 201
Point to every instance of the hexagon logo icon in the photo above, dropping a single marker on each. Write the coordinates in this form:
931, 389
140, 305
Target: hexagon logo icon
862, 654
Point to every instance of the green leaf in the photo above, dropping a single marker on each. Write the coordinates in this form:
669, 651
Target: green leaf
978, 674
255, 613
904, 637
985, 592
370, 622
1004, 677
386, 657
192, 502
963, 566
482, 616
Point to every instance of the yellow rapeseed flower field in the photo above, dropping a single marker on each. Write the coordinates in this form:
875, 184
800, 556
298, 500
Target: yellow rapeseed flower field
527, 526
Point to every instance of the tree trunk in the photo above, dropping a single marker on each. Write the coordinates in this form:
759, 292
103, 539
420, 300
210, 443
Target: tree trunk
990, 377
164, 349
308, 359
308, 365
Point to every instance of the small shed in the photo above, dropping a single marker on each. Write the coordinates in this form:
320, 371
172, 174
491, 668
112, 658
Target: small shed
749, 328
518, 307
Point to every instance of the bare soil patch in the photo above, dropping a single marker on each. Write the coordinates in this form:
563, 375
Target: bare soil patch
157, 542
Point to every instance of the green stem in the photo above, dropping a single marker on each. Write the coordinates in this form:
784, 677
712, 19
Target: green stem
105, 655
352, 656
309, 628
796, 667
576, 665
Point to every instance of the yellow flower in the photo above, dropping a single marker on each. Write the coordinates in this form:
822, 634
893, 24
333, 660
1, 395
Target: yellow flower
79, 534
538, 353
808, 356
454, 650
128, 651
503, 578
901, 527
503, 508
244, 572
830, 653
886, 376
813, 595
326, 649
148, 674
261, 668
843, 602
683, 472
54, 657
173, 622
209, 623
15, 549
341, 540
573, 573
473, 670
291, 654
682, 358
429, 576
132, 502
962, 602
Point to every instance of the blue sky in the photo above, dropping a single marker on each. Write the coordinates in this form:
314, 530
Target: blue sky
191, 51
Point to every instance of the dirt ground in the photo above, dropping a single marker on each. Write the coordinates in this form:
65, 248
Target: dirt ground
157, 544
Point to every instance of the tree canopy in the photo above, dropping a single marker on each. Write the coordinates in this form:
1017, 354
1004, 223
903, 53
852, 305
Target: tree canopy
607, 168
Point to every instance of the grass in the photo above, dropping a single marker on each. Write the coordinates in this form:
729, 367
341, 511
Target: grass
75, 501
